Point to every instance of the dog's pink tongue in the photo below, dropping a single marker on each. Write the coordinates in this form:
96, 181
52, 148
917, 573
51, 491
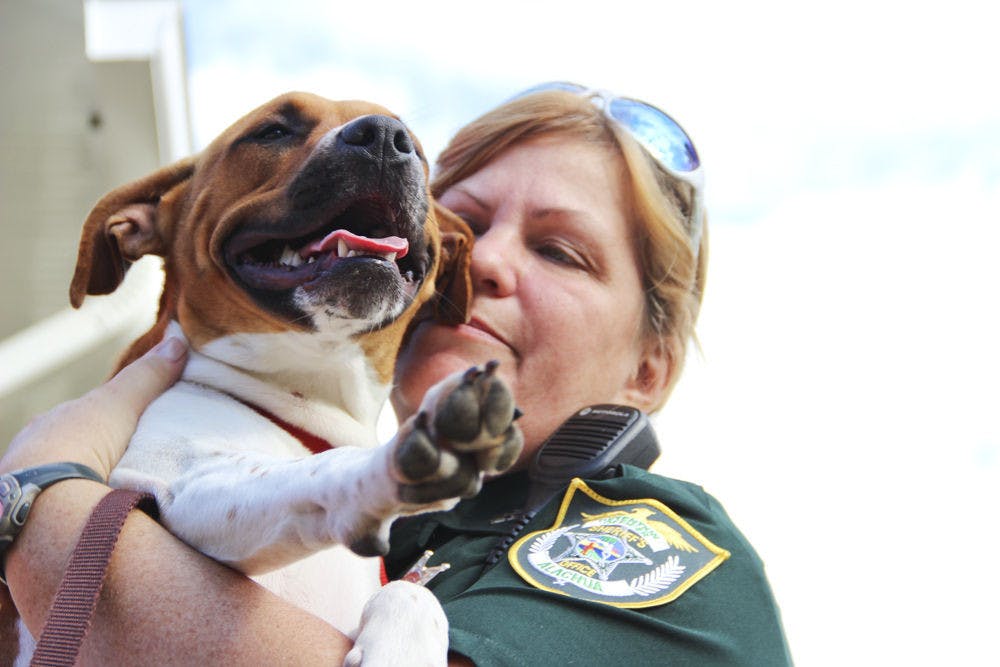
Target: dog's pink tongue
361, 244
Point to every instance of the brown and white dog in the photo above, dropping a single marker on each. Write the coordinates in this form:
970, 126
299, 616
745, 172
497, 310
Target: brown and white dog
297, 249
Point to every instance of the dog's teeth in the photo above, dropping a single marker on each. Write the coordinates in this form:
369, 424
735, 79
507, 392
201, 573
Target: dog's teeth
353, 253
390, 256
342, 250
312, 258
290, 258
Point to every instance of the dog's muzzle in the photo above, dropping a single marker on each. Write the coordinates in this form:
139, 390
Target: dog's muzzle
355, 214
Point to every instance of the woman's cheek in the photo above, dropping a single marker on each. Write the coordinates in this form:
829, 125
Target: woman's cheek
427, 359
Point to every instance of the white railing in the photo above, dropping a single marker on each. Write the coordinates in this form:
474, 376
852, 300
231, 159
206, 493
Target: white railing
142, 30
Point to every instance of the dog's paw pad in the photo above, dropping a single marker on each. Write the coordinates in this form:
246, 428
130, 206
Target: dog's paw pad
465, 428
477, 411
417, 456
458, 416
502, 457
498, 408
464, 481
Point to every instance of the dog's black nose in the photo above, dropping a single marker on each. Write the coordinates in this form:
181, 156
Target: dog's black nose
381, 137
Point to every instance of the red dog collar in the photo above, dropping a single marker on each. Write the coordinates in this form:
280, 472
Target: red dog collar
313, 443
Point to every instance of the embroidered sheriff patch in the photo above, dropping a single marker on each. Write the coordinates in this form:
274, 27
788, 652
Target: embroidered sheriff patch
626, 553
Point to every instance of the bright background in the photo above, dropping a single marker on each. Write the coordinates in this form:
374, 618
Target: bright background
845, 405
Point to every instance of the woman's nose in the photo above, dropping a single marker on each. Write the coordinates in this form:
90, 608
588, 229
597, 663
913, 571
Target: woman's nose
493, 265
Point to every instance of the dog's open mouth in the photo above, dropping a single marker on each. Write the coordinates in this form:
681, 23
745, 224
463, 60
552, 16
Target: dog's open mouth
363, 233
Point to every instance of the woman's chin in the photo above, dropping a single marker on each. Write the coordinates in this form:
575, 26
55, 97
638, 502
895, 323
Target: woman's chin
415, 377
431, 355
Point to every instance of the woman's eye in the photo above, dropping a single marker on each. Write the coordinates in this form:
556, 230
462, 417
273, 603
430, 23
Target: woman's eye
561, 255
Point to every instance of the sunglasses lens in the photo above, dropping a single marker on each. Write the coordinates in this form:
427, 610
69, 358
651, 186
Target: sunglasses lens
657, 132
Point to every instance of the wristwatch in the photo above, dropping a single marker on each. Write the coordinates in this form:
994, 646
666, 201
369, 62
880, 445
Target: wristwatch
18, 490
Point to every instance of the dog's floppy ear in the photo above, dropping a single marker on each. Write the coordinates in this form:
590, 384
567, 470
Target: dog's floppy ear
124, 225
454, 281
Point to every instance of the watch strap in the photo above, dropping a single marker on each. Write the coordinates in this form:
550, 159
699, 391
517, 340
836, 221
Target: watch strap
18, 490
46, 475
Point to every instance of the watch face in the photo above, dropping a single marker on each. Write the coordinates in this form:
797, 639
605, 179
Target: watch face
8, 495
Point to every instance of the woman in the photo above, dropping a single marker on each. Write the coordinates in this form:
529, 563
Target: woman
588, 271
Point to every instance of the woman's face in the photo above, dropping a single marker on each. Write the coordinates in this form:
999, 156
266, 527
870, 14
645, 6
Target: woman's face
558, 297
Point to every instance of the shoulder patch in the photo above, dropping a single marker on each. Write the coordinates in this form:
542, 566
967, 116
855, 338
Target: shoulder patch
625, 553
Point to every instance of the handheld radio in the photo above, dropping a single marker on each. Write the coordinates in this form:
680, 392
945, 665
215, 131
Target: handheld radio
590, 444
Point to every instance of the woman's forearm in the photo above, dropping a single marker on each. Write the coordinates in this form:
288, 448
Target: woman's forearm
162, 600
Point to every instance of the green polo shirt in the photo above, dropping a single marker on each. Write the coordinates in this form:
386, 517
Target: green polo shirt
635, 570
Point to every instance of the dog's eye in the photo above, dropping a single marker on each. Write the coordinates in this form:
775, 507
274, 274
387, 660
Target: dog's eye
272, 132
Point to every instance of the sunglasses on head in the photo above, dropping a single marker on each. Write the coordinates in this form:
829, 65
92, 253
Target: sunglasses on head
659, 134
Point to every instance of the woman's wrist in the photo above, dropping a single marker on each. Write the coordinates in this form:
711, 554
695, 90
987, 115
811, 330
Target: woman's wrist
37, 558
20, 489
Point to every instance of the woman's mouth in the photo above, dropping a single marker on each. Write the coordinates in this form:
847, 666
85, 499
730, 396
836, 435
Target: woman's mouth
480, 329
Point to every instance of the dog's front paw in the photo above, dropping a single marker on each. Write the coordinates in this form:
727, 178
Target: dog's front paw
465, 428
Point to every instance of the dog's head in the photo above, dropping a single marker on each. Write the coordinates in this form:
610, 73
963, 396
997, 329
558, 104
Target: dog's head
306, 214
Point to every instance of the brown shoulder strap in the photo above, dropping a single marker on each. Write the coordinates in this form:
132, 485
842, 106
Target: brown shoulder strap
72, 611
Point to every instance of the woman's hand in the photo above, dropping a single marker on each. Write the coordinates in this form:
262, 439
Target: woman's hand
95, 429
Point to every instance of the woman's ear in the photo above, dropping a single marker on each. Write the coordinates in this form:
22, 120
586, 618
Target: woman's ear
647, 387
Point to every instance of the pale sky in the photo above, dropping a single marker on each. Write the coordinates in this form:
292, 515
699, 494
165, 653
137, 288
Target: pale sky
844, 408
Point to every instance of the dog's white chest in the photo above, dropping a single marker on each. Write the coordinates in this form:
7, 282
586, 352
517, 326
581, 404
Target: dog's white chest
333, 584
243, 490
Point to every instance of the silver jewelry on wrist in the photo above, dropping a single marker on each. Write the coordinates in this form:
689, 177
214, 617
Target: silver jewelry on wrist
18, 489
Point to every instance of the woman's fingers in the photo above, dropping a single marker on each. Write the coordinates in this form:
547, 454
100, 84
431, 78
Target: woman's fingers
114, 407
95, 429
121, 400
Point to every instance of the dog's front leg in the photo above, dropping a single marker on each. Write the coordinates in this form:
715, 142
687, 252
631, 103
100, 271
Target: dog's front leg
257, 513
